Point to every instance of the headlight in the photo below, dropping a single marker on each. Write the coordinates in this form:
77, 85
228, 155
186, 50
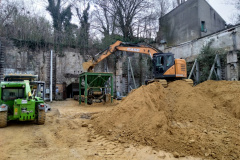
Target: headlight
3, 86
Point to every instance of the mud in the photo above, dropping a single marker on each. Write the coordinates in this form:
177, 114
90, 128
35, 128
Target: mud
201, 121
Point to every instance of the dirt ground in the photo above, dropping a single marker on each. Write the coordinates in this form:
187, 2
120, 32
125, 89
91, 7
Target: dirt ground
151, 123
68, 134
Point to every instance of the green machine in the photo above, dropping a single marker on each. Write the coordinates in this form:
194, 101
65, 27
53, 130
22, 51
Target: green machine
95, 87
18, 103
37, 86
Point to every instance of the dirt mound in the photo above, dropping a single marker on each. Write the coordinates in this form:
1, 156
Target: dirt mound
224, 94
199, 121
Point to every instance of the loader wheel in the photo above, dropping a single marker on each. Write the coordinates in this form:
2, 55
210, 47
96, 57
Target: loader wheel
3, 119
41, 117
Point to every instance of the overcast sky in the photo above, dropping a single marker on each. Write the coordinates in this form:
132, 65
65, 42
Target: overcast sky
226, 10
223, 7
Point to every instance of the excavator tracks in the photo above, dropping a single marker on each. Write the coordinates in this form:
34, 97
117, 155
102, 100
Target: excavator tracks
189, 81
165, 83
162, 81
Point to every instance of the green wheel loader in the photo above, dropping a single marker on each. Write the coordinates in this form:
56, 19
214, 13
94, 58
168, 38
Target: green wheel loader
18, 103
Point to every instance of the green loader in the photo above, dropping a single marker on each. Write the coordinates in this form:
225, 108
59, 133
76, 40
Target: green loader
18, 103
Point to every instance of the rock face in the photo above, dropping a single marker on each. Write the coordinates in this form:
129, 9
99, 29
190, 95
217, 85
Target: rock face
27, 61
68, 66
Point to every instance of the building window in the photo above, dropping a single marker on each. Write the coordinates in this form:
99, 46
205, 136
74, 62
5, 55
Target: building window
203, 26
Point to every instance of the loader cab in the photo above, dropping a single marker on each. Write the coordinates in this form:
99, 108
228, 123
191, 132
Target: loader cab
12, 93
161, 63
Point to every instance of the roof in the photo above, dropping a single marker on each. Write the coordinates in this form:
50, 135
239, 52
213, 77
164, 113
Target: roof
20, 77
185, 3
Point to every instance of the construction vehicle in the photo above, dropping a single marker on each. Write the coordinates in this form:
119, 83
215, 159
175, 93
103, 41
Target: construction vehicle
165, 67
36, 86
18, 103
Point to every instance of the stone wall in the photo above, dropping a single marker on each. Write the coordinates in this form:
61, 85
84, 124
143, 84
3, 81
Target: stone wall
68, 67
26, 61
228, 40
189, 50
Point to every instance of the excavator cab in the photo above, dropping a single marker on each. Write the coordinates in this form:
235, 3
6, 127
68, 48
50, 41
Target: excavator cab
162, 62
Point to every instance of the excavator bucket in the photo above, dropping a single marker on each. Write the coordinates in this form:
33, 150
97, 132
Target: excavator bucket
88, 66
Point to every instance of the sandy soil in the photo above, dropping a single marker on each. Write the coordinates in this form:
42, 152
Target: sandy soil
201, 121
69, 134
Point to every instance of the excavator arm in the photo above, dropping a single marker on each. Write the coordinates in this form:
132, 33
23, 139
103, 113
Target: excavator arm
121, 46
165, 66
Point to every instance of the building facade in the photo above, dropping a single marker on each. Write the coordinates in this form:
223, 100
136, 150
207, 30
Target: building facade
190, 20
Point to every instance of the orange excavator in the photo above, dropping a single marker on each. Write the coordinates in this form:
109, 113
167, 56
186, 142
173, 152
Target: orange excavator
165, 66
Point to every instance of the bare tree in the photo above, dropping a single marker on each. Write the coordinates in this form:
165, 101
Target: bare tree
104, 21
125, 11
7, 10
131, 19
60, 15
122, 14
19, 22
83, 37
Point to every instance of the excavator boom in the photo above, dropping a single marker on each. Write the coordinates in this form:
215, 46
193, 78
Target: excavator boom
121, 46
165, 66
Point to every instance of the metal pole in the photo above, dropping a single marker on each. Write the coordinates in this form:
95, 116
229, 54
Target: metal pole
209, 77
51, 77
216, 74
39, 90
86, 89
234, 40
132, 73
44, 91
219, 68
111, 88
197, 72
192, 69
128, 77
80, 91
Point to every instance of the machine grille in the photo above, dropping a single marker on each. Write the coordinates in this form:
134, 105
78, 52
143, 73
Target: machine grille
183, 68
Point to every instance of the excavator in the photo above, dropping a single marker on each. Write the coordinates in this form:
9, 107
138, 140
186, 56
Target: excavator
165, 67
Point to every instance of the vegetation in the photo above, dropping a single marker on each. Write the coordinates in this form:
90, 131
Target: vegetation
84, 32
106, 22
92, 25
206, 60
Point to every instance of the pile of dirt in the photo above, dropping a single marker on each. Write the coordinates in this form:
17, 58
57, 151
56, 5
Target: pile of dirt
199, 121
224, 94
